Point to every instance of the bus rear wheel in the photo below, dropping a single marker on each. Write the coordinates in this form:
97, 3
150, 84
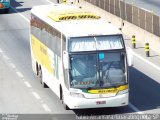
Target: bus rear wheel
40, 74
41, 81
44, 84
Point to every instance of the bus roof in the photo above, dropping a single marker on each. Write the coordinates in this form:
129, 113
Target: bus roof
55, 16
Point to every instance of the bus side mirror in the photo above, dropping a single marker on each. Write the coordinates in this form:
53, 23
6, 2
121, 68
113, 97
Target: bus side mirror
129, 56
65, 60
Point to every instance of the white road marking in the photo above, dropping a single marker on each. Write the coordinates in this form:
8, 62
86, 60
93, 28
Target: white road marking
46, 108
135, 108
12, 65
27, 84
20, 14
5, 57
19, 74
36, 95
23, 15
145, 60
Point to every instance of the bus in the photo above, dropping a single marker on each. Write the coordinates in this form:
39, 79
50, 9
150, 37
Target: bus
80, 56
5, 5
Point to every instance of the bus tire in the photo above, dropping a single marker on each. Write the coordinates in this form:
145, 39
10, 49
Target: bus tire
40, 74
37, 69
44, 85
60, 88
64, 105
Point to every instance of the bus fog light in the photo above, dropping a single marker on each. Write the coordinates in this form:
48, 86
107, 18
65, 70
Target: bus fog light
122, 92
76, 95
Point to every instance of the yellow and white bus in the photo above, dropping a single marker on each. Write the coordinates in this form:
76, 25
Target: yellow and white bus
79, 56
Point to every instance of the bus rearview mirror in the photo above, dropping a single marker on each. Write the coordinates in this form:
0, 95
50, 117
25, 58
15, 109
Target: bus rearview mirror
65, 60
129, 56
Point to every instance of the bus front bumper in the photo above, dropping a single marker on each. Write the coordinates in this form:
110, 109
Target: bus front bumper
80, 103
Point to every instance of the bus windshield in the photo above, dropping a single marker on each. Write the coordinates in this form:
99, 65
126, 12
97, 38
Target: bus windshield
99, 69
92, 43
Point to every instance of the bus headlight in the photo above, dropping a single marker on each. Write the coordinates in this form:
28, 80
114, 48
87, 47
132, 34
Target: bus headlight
77, 95
122, 92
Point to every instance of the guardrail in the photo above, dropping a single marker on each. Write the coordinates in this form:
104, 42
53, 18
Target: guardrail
142, 18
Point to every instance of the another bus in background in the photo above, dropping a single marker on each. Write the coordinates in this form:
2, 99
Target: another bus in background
5, 5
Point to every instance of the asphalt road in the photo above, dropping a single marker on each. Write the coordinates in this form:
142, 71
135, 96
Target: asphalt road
21, 92
151, 5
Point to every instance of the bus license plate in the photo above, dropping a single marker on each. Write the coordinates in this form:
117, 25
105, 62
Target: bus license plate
100, 102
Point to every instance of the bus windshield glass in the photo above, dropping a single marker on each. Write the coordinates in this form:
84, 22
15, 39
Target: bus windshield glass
91, 43
98, 69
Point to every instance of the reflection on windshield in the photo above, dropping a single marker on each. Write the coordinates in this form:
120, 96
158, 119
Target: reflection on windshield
112, 69
95, 43
83, 70
97, 70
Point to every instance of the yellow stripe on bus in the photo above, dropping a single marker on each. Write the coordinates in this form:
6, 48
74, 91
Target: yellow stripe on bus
40, 52
109, 90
